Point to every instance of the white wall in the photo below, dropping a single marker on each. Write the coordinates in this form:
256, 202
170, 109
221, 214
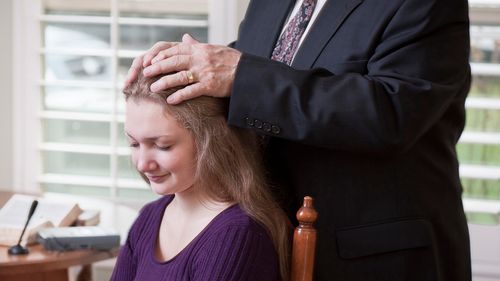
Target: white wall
228, 15
6, 94
485, 251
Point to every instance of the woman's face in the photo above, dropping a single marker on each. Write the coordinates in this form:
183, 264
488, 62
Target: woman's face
161, 149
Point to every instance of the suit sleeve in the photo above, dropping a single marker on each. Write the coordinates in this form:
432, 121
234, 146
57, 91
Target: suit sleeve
418, 69
236, 254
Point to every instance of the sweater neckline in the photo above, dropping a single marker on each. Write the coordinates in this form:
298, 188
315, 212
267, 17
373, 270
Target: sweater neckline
165, 202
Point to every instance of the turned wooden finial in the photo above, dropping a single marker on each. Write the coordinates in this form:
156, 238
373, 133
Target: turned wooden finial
304, 242
307, 215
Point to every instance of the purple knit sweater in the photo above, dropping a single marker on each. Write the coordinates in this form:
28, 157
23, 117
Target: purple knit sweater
231, 247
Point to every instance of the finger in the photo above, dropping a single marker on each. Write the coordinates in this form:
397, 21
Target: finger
133, 71
170, 52
170, 81
158, 57
189, 92
157, 47
179, 49
162, 55
168, 65
176, 49
153, 51
188, 39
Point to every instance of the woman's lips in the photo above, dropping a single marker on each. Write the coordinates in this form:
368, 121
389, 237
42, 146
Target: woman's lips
157, 179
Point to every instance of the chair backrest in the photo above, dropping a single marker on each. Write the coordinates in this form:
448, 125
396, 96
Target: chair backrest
304, 243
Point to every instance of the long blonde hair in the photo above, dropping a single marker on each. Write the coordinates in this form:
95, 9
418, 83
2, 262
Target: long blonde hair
228, 161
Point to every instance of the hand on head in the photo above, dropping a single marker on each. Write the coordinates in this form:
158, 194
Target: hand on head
144, 60
201, 69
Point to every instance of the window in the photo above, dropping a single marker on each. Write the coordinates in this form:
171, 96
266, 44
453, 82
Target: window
70, 110
479, 146
86, 55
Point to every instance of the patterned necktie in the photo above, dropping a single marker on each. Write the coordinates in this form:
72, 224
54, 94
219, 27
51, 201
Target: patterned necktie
289, 40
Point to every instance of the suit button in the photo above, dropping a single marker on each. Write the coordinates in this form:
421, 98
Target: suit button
258, 123
275, 129
249, 121
266, 127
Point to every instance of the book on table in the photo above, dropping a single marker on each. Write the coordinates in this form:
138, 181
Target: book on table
48, 213
89, 217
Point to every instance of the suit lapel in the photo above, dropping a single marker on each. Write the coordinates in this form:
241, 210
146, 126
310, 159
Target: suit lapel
269, 26
327, 23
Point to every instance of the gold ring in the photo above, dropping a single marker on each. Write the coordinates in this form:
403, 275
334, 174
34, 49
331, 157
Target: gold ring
190, 77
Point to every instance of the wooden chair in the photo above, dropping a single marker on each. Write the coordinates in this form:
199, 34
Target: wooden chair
304, 243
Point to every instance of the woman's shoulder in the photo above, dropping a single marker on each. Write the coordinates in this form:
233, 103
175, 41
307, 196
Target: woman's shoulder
242, 245
149, 213
236, 217
157, 205
234, 222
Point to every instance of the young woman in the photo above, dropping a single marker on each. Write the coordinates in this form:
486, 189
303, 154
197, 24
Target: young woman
216, 219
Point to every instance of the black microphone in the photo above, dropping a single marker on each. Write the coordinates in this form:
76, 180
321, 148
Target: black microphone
18, 249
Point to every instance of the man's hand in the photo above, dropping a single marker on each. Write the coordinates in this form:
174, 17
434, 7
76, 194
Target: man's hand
203, 69
144, 60
153, 52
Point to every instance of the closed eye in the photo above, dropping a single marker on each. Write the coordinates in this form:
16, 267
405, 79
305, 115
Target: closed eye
164, 148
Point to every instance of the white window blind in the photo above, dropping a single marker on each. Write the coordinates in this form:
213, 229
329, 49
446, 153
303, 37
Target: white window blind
479, 146
85, 50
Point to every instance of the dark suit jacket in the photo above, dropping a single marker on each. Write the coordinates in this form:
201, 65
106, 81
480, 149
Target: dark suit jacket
366, 121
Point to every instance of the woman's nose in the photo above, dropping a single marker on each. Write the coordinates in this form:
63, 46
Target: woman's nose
145, 161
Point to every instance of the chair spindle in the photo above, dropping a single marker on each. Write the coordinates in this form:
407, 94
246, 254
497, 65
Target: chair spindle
304, 242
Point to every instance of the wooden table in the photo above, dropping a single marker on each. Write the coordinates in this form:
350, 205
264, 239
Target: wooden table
42, 265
